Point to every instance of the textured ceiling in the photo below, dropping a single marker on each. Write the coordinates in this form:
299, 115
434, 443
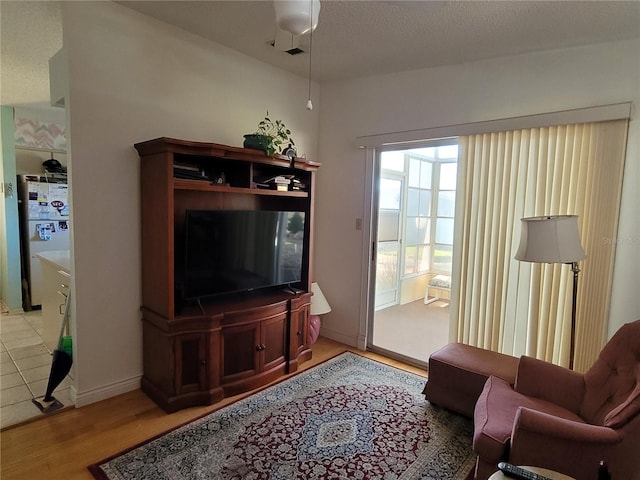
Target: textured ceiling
30, 34
353, 38
359, 38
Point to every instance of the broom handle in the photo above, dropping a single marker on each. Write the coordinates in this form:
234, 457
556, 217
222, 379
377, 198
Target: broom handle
65, 319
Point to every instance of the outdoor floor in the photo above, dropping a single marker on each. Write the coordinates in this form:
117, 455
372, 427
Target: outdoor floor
413, 330
25, 368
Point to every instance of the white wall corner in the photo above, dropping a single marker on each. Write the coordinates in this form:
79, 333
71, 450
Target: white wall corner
58, 78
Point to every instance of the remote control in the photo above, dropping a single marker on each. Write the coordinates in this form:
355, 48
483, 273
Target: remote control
519, 473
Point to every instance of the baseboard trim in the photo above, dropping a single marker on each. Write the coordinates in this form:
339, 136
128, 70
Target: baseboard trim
10, 311
339, 337
87, 397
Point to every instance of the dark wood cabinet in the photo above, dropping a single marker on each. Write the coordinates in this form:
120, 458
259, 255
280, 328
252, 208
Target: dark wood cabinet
240, 353
197, 353
191, 362
180, 360
254, 347
300, 346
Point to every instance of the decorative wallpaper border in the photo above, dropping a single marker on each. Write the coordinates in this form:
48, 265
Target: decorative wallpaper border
40, 135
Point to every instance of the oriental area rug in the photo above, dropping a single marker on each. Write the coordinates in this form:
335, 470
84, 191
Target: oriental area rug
349, 417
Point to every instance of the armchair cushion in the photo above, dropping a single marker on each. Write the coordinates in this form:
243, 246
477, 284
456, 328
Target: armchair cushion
540, 379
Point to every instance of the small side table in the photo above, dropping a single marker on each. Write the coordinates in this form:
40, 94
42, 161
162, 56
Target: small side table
540, 471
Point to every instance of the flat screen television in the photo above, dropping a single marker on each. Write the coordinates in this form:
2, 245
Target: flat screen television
231, 251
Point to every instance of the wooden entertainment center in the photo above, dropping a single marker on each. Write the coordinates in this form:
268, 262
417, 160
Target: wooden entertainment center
196, 353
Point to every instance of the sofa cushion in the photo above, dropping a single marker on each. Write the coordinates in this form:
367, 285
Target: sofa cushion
495, 413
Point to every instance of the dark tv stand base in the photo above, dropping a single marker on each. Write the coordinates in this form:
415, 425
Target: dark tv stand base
219, 348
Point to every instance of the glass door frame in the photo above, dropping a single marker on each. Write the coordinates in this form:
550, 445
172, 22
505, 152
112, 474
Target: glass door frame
399, 264
373, 176
369, 267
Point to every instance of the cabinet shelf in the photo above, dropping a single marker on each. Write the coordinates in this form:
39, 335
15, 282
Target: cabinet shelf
204, 186
192, 149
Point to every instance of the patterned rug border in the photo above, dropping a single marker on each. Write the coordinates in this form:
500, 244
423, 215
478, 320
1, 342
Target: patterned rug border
99, 474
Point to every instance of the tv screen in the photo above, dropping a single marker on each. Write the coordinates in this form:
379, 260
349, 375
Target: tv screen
229, 251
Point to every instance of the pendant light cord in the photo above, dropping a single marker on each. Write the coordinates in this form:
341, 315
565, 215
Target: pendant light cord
310, 48
309, 104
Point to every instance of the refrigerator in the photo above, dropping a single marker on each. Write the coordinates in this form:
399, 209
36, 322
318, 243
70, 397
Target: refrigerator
44, 225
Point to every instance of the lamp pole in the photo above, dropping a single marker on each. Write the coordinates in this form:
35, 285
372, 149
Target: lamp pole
575, 269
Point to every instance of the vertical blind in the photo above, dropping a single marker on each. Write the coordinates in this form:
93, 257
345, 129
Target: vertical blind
524, 308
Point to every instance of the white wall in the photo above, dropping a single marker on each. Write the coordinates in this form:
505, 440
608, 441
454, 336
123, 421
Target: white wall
10, 285
132, 79
500, 88
30, 161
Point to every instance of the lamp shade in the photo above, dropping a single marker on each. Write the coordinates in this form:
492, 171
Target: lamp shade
294, 16
550, 239
319, 304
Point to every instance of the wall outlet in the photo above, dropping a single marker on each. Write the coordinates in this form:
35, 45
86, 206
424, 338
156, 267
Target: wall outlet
358, 224
7, 189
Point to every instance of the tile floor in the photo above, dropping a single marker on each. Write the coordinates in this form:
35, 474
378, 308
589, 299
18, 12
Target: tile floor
25, 367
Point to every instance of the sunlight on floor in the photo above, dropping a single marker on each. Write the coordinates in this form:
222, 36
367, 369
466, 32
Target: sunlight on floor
414, 330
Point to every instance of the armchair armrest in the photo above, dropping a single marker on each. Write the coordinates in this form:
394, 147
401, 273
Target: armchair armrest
550, 382
559, 444
552, 427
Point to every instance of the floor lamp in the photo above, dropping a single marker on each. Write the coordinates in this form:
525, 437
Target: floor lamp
319, 306
554, 239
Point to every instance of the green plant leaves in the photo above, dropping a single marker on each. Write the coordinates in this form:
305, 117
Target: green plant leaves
278, 133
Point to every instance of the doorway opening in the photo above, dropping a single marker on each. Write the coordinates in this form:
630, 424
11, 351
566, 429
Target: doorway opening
413, 238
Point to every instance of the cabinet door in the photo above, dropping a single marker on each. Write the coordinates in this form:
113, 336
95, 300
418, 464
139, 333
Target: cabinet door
190, 362
299, 345
240, 351
273, 341
299, 331
55, 287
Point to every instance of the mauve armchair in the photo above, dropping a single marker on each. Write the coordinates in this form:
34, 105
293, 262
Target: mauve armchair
563, 420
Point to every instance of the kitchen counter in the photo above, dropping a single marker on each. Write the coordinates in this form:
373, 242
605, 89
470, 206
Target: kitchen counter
56, 278
60, 259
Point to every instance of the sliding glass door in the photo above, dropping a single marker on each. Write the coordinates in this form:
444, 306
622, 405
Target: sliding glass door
389, 240
413, 243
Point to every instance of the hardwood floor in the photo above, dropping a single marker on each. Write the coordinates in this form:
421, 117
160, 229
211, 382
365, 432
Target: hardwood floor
61, 446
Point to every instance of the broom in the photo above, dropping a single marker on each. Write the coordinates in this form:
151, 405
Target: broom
60, 366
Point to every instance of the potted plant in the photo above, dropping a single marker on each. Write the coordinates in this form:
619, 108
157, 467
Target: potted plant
271, 136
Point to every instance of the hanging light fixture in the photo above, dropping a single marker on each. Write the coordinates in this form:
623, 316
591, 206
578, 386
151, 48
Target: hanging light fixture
297, 16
